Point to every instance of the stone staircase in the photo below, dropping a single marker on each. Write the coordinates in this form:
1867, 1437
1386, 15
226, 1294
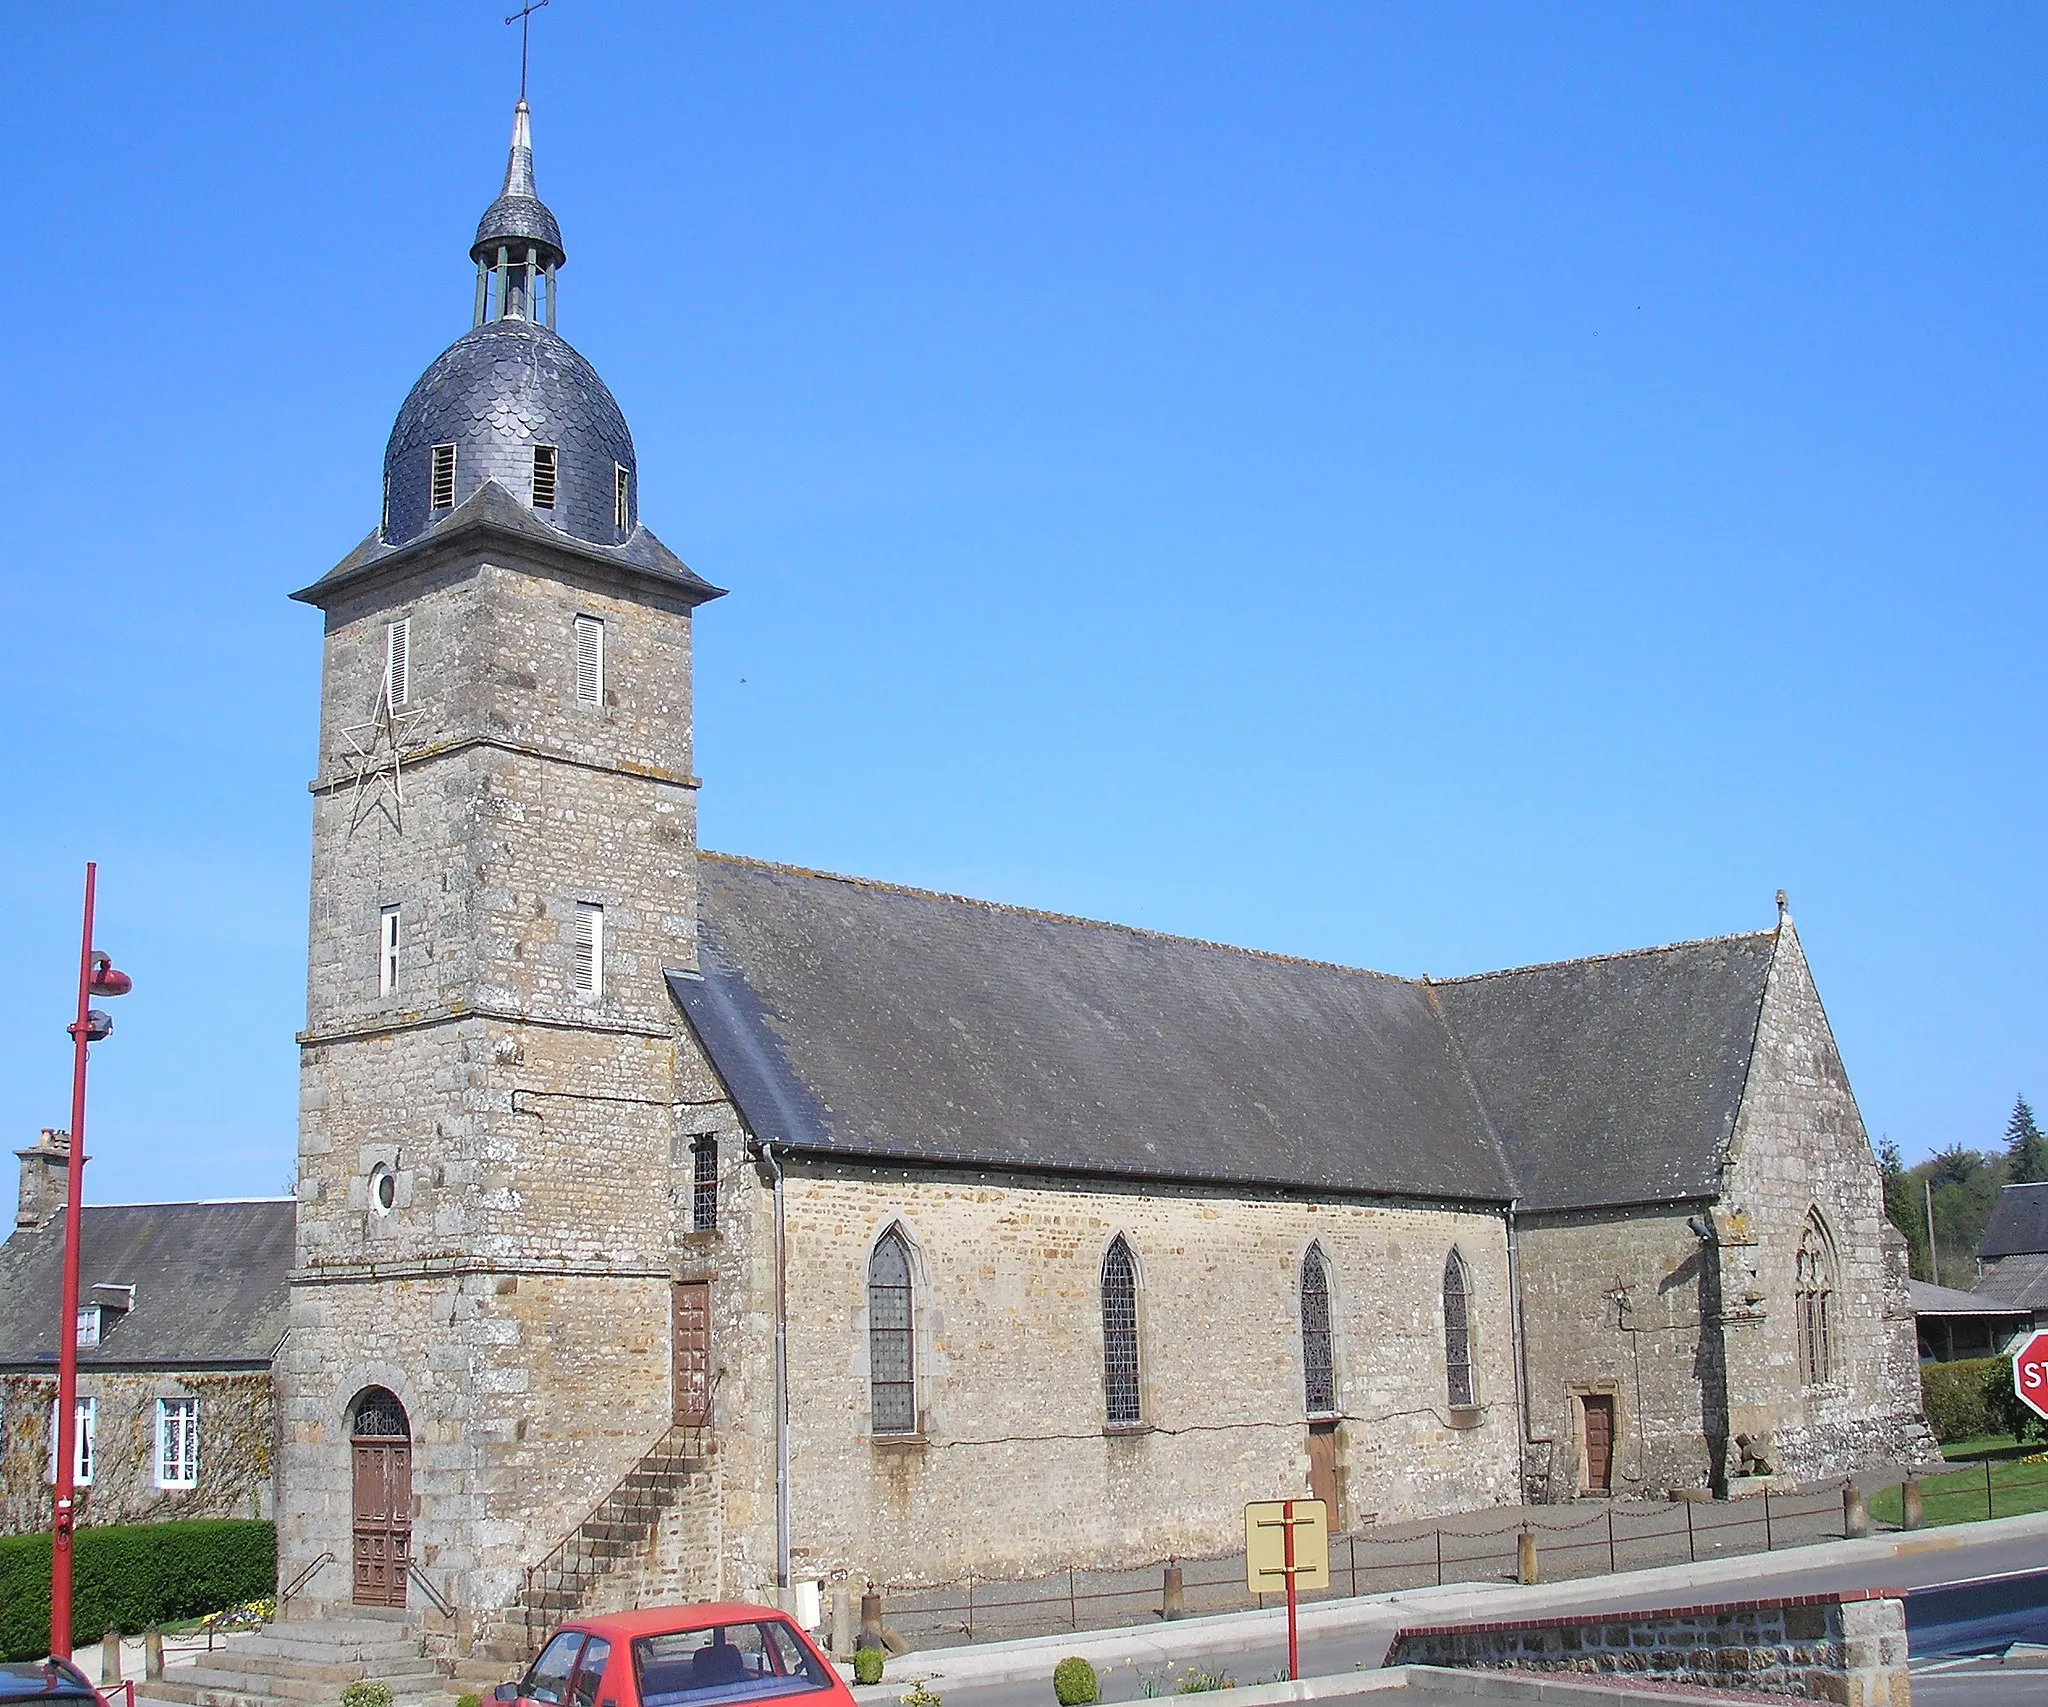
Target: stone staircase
305, 1662
621, 1528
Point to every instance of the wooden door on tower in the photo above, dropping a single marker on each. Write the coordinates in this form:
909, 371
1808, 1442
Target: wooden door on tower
1599, 1409
383, 1518
1322, 1468
693, 1354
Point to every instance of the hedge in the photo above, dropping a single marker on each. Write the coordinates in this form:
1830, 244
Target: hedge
1955, 1393
133, 1575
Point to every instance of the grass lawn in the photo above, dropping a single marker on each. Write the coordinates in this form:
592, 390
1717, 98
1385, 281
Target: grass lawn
1986, 1446
1997, 1484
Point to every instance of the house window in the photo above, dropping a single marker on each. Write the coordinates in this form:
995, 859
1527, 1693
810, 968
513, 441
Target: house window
704, 1186
177, 1443
589, 661
892, 1368
1815, 1303
85, 1429
88, 1324
387, 950
1120, 1335
1318, 1366
443, 495
587, 957
1458, 1332
622, 497
543, 477
398, 660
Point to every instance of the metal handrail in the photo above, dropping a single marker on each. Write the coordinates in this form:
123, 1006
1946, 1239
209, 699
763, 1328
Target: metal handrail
553, 1558
444, 1607
298, 1582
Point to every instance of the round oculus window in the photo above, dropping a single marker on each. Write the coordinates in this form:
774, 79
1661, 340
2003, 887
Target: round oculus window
383, 1189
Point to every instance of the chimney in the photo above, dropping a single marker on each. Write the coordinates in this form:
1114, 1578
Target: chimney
45, 1179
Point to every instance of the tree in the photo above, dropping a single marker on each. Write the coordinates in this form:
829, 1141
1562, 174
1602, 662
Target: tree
2026, 1147
1902, 1207
1965, 1187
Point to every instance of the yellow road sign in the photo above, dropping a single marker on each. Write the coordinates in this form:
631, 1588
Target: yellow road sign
1265, 1545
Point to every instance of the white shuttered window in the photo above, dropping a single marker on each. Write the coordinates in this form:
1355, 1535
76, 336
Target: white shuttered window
83, 1442
177, 1443
589, 661
588, 968
398, 659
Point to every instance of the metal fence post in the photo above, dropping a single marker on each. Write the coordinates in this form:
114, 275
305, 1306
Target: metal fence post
1987, 1488
1439, 1556
970, 1609
1073, 1606
1352, 1546
1691, 1553
1610, 1541
1767, 1520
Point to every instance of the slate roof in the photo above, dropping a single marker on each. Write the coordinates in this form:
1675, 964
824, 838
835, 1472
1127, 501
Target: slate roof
1931, 1300
859, 1019
210, 1284
2019, 1222
1618, 1076
519, 217
2021, 1281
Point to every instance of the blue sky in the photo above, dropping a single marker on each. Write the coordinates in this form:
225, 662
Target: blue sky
1429, 487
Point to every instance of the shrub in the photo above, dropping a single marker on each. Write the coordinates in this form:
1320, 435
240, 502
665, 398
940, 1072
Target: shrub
469, 1701
2003, 1409
133, 1575
1074, 1683
867, 1665
366, 1694
1199, 1682
920, 1695
1955, 1393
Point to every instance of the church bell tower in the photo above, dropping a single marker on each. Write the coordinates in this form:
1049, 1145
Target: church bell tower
504, 844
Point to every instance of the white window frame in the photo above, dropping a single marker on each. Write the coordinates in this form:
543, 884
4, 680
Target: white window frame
90, 1324
586, 966
590, 660
398, 661
389, 937
177, 1443
84, 1441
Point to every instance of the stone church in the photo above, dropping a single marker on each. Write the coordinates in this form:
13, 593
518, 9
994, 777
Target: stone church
673, 1223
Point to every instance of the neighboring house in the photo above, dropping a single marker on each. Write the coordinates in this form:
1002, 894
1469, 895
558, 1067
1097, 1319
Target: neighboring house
1956, 1324
181, 1308
2012, 1259
1076, 1236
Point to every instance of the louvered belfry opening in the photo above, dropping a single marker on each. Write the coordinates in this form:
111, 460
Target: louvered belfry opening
544, 477
442, 494
587, 956
892, 1369
589, 661
1120, 1335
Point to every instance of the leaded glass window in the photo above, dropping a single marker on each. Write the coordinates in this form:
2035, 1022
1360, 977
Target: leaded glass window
1120, 1334
1318, 1365
1814, 1303
892, 1368
1457, 1331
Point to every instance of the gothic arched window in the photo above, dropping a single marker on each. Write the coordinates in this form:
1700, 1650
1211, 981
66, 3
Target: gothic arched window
1319, 1372
1458, 1331
1120, 1334
892, 1367
1814, 1300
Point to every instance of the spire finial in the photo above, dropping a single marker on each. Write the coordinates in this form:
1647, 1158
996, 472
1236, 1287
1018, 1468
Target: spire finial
521, 18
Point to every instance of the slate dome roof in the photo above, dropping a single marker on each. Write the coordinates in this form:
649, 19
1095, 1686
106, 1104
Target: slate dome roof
519, 219
494, 394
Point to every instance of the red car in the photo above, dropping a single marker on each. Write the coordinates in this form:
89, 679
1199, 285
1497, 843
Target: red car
678, 1656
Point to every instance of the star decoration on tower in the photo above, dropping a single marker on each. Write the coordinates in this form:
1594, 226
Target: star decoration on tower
376, 759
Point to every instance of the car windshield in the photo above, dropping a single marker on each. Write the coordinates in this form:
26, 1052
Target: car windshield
44, 1677
728, 1662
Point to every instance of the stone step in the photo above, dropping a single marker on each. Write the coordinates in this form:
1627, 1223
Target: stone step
337, 1630
330, 1665
416, 1679
324, 1650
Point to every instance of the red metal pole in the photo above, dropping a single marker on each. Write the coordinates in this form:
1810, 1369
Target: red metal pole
67, 1319
1293, 1634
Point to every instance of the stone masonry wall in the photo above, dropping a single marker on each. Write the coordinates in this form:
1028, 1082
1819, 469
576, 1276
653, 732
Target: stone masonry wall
1612, 1306
1848, 1648
237, 1433
1800, 1146
1014, 1471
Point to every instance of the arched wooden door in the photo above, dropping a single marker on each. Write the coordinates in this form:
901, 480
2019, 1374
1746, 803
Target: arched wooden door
380, 1450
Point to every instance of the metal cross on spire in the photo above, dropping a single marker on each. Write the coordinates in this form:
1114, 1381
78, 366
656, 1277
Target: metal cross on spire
521, 18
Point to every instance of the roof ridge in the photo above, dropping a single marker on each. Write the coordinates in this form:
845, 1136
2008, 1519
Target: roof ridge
887, 887
185, 1203
1595, 959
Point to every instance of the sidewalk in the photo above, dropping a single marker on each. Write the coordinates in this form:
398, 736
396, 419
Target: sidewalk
1161, 1648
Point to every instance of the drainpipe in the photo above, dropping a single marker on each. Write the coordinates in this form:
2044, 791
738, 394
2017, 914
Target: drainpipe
774, 1168
1521, 1351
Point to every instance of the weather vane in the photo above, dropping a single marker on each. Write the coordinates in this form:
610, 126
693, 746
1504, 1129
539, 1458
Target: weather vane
521, 18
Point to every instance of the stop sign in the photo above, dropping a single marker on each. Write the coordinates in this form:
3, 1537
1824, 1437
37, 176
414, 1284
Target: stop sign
2030, 1373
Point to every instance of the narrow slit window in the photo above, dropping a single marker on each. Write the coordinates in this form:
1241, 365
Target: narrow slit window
1457, 1332
1120, 1335
443, 494
398, 660
543, 477
589, 661
177, 1443
387, 950
704, 1184
1318, 1365
892, 1372
622, 498
588, 971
